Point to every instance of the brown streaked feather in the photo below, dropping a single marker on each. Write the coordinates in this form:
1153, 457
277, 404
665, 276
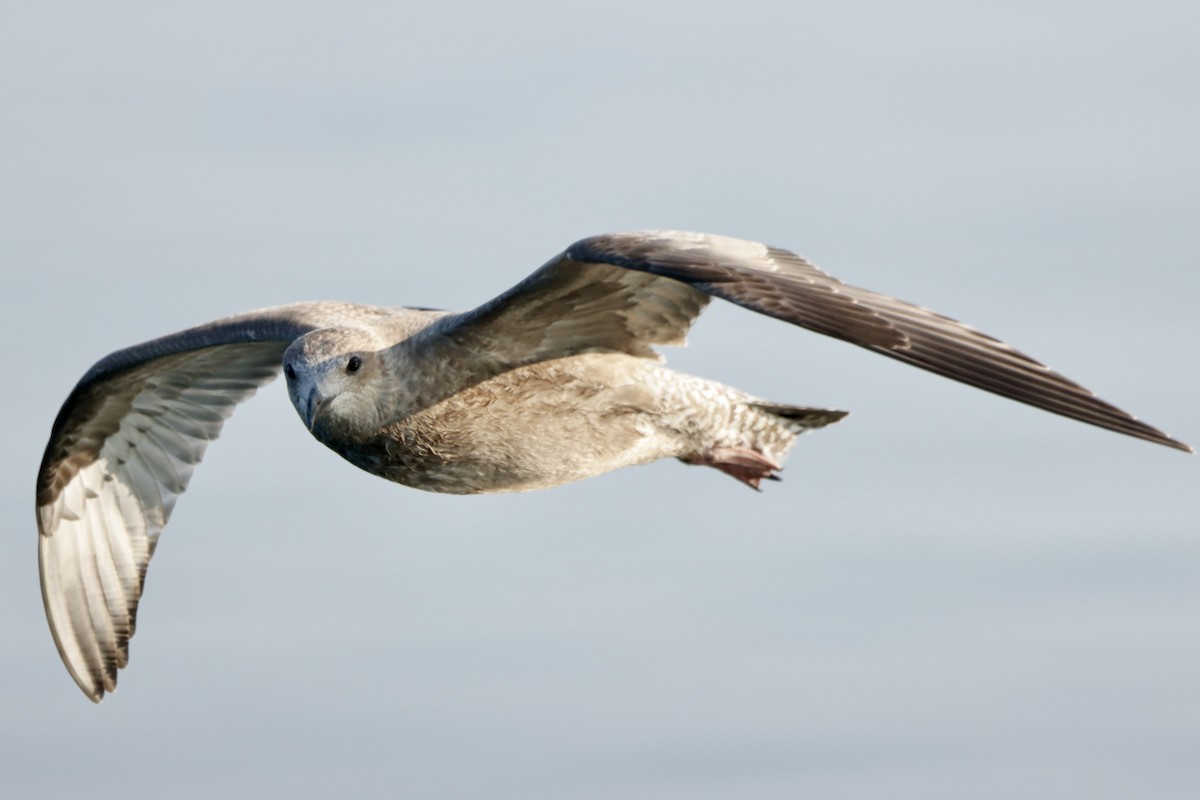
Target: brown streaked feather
783, 285
564, 308
628, 291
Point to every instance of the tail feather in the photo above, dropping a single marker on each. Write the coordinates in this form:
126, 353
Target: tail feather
801, 418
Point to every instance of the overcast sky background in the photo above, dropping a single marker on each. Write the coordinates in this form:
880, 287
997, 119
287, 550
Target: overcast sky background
949, 595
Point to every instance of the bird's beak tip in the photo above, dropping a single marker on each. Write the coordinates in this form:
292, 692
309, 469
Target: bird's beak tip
312, 408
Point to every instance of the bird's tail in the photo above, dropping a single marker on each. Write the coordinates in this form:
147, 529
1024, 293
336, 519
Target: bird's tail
798, 419
760, 453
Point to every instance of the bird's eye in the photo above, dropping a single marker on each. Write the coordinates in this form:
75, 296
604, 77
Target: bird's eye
289, 371
353, 365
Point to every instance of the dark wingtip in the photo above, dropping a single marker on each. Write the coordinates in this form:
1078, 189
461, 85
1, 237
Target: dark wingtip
1141, 430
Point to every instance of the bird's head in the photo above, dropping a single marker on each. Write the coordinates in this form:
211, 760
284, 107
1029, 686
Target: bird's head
335, 378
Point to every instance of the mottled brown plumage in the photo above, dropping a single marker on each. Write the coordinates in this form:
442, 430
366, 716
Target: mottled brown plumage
553, 381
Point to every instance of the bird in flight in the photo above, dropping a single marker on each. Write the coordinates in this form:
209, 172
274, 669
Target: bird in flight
553, 381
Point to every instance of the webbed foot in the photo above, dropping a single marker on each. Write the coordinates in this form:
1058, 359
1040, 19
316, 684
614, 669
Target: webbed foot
748, 466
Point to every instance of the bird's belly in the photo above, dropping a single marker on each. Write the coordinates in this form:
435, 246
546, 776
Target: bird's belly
531, 428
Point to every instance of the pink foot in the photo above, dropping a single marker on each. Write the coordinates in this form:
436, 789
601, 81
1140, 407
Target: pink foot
748, 466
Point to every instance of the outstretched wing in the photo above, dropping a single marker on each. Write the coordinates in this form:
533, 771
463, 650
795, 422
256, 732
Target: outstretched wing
122, 451
627, 291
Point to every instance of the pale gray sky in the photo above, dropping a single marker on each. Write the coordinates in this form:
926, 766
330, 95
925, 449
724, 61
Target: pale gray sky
949, 595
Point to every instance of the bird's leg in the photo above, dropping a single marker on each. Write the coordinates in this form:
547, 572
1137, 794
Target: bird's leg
748, 466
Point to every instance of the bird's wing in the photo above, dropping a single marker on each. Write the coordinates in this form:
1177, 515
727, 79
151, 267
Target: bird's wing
122, 451
627, 291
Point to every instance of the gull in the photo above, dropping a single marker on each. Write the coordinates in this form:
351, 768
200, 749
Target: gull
553, 381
